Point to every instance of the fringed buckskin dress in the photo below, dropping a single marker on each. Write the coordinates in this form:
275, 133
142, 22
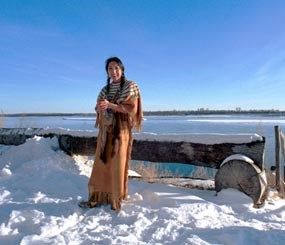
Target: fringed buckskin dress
108, 183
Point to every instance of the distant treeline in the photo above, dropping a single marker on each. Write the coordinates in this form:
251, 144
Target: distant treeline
164, 113
215, 112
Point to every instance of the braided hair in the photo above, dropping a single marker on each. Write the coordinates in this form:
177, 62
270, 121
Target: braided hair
121, 65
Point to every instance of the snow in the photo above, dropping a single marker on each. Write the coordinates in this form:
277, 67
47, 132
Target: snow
41, 186
248, 121
237, 157
199, 138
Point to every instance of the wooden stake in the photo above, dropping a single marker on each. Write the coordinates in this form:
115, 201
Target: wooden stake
282, 173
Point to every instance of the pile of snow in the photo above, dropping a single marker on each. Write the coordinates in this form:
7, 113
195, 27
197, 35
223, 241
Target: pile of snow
201, 138
40, 187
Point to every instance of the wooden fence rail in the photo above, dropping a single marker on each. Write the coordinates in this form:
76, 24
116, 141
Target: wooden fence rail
279, 164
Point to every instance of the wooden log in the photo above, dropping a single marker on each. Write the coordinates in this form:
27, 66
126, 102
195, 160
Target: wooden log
208, 150
174, 149
78, 145
244, 176
17, 136
207, 155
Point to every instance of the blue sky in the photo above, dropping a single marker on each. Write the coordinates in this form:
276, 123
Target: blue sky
184, 54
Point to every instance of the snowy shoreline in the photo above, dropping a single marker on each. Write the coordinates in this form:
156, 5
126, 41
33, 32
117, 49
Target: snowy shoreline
41, 187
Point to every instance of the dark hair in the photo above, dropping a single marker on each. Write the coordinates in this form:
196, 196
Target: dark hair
121, 65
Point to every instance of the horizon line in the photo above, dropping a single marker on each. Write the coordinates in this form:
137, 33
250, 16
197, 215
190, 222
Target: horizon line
174, 111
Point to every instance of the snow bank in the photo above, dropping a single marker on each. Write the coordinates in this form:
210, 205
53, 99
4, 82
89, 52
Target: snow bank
40, 187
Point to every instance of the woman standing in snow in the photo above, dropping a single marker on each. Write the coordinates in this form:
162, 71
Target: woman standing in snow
118, 111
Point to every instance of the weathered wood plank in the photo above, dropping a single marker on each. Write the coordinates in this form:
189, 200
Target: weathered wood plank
279, 148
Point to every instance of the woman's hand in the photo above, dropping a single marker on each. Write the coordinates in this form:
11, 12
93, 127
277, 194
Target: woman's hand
103, 104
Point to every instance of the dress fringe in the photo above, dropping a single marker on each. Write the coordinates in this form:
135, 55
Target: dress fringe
105, 198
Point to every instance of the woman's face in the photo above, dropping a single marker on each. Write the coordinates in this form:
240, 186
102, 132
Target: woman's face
114, 71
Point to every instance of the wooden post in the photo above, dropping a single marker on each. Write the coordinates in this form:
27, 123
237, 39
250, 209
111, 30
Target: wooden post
282, 168
277, 157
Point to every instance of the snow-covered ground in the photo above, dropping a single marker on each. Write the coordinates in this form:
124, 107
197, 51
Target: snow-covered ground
40, 187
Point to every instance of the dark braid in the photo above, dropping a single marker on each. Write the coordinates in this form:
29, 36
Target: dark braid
108, 84
122, 83
123, 80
